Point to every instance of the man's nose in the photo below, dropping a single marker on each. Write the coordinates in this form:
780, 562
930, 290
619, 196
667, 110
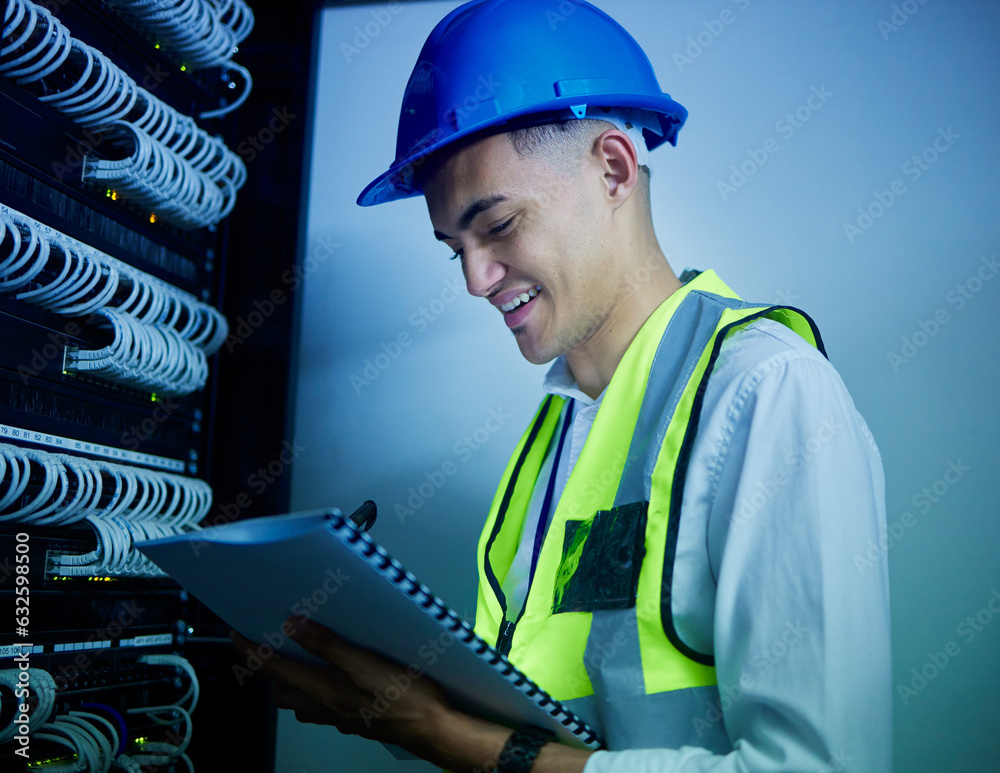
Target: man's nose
482, 271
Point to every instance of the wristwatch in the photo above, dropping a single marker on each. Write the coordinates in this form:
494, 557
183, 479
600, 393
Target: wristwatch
519, 753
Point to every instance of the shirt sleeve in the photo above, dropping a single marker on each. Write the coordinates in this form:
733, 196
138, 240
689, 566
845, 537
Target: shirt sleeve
789, 496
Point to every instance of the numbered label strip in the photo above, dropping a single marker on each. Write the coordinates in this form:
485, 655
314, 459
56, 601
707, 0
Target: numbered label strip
70, 445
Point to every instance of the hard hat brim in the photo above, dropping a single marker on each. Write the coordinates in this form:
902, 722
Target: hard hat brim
396, 182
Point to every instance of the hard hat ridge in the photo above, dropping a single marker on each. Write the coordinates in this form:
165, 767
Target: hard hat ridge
493, 65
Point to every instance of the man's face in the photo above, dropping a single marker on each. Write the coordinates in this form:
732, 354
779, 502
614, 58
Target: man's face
527, 229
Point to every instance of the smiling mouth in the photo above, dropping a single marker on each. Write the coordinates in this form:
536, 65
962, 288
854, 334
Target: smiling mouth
520, 300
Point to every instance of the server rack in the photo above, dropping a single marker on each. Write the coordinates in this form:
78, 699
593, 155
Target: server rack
120, 438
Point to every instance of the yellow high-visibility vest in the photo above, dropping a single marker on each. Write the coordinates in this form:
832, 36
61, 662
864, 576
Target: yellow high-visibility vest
596, 630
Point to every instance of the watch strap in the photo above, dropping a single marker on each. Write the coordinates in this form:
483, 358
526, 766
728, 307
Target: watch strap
522, 747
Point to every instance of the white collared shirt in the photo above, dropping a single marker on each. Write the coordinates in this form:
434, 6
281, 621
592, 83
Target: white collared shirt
773, 570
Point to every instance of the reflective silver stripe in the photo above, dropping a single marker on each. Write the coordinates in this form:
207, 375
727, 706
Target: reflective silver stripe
614, 662
620, 710
666, 720
676, 358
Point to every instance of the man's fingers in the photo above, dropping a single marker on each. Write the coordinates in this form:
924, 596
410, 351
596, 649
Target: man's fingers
288, 697
251, 650
321, 641
303, 677
347, 719
318, 639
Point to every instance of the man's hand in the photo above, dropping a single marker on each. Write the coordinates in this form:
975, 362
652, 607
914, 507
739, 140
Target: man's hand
363, 693
360, 692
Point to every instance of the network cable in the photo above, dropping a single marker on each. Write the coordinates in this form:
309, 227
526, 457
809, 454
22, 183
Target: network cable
122, 505
196, 34
162, 336
173, 164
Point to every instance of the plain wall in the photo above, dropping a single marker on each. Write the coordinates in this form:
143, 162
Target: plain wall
399, 368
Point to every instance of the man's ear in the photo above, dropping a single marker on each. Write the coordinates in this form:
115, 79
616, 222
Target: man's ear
619, 163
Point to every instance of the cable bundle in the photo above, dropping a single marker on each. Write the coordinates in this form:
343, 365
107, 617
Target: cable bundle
42, 688
163, 181
162, 336
23, 254
85, 85
158, 752
93, 739
84, 280
152, 358
197, 34
122, 504
78, 731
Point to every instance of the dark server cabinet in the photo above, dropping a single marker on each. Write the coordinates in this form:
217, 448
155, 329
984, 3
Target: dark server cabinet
127, 407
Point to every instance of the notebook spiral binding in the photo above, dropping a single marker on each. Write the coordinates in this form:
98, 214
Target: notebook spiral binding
407, 583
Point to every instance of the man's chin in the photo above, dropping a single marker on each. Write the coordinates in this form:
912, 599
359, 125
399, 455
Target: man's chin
530, 350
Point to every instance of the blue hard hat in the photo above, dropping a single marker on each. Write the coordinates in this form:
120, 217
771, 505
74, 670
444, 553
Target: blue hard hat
494, 63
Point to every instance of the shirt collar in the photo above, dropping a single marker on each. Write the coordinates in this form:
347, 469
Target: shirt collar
559, 381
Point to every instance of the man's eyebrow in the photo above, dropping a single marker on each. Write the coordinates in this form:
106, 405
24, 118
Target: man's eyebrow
480, 205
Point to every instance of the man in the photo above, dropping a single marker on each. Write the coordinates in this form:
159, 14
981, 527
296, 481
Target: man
670, 550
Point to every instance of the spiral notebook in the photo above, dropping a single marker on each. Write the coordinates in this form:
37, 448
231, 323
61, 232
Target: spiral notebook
254, 573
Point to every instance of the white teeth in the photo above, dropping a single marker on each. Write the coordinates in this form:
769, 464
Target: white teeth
518, 300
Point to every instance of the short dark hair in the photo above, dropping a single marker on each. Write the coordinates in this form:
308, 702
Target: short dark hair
562, 141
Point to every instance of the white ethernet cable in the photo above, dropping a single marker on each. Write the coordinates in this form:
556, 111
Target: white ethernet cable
154, 355
70, 735
84, 84
26, 254
197, 34
137, 504
42, 687
160, 753
84, 280
75, 730
148, 357
105, 750
51, 46
156, 177
184, 665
